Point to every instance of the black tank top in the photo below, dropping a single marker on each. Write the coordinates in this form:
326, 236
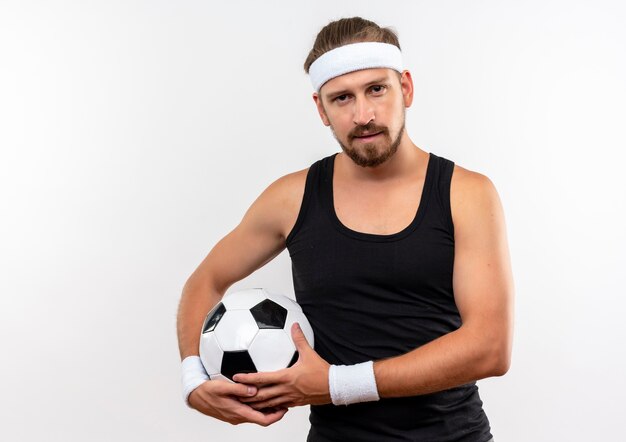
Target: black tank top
370, 296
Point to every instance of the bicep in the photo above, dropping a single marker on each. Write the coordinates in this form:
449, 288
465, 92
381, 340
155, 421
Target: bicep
482, 276
253, 243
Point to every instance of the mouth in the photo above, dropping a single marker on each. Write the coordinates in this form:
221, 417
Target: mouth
367, 137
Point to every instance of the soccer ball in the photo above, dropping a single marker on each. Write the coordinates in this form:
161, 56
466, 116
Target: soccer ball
250, 331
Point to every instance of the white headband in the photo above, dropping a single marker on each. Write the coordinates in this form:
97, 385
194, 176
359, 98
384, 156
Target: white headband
354, 57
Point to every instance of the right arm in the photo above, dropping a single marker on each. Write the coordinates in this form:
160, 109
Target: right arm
259, 238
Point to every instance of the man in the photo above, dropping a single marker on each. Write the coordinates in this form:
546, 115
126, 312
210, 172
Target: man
400, 262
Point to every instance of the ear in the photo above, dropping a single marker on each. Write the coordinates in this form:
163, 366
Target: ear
320, 108
406, 84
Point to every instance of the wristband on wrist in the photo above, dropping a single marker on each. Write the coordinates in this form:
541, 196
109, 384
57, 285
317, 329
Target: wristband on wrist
350, 384
193, 375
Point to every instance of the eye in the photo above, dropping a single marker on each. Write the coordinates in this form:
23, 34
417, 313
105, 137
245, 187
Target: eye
340, 98
378, 88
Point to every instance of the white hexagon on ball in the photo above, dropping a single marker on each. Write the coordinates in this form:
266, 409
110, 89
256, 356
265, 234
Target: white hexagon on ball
210, 353
236, 330
244, 299
271, 350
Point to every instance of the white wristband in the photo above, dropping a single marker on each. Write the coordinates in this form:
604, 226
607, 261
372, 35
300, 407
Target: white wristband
193, 374
350, 384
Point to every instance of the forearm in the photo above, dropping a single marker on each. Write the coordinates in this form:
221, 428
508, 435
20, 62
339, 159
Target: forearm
195, 302
451, 360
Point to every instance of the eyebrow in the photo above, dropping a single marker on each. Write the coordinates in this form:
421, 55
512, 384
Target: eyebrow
330, 95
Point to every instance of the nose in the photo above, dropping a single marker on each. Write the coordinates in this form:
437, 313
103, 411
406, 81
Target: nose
363, 112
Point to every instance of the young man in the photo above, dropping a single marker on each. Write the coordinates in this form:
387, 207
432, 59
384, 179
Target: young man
400, 262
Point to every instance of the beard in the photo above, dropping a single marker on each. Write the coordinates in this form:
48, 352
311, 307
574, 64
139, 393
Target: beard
370, 154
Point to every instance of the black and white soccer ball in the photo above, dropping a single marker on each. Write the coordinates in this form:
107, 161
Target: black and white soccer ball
250, 331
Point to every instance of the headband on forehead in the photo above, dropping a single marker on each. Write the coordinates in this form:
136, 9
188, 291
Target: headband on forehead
354, 57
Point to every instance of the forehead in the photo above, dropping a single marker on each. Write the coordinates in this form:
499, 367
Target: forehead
355, 80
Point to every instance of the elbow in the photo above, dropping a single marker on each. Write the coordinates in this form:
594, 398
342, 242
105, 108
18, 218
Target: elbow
501, 351
502, 368
494, 352
501, 361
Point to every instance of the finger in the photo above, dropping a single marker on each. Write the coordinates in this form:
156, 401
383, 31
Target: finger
278, 402
264, 419
272, 409
298, 338
240, 390
258, 378
265, 394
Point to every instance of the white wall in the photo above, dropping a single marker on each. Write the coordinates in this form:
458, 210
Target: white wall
135, 134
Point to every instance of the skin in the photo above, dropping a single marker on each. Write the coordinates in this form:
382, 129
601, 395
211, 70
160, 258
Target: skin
375, 186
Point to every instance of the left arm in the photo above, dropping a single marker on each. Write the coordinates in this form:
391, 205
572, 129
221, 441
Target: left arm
483, 292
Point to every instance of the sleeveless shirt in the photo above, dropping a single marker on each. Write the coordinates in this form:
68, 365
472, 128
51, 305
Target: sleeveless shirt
370, 296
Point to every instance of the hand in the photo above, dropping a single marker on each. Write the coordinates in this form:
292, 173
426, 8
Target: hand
220, 399
304, 383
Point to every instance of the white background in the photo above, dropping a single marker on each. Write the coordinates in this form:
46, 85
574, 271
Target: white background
135, 134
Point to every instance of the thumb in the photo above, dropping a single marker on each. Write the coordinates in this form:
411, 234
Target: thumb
241, 390
298, 338
246, 390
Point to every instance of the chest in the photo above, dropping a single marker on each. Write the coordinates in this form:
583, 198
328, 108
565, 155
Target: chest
381, 211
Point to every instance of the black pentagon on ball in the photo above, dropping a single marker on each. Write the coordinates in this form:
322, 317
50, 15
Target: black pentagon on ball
213, 317
235, 362
268, 314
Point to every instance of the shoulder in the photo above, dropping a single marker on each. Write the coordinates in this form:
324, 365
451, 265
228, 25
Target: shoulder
288, 187
280, 201
473, 198
467, 183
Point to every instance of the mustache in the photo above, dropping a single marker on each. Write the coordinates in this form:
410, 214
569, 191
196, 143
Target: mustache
367, 129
